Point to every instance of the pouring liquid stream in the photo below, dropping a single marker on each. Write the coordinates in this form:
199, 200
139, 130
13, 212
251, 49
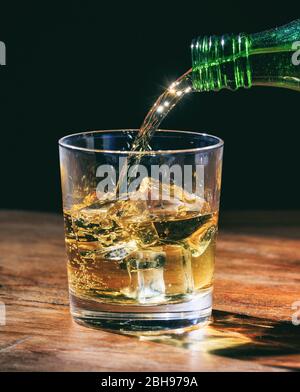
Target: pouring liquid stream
158, 112
163, 105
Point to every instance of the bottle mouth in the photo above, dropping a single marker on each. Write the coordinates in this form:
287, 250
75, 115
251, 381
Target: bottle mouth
221, 62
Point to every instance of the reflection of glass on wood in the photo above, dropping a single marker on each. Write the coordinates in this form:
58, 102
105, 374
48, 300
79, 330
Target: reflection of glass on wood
240, 337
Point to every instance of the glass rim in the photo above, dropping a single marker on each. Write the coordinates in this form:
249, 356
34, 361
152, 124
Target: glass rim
219, 143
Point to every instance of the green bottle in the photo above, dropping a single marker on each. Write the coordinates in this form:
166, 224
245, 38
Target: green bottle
270, 58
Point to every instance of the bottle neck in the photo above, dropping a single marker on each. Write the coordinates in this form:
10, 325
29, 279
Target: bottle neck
221, 62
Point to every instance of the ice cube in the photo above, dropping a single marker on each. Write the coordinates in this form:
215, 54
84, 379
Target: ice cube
170, 198
96, 225
202, 248
154, 195
120, 251
199, 241
134, 217
203, 267
178, 274
180, 229
155, 201
146, 270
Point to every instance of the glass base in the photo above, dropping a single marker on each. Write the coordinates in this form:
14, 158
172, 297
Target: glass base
135, 319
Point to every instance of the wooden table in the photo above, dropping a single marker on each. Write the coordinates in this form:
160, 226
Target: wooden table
257, 281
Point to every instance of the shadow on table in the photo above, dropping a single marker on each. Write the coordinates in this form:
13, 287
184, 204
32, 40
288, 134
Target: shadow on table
240, 337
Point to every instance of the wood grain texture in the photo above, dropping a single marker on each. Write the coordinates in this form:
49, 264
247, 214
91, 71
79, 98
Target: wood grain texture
257, 280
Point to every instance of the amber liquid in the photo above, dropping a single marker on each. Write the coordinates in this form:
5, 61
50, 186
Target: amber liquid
123, 253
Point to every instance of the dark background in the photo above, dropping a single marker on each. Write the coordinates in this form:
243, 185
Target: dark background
75, 66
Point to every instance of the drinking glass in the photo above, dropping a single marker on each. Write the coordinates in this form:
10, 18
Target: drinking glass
140, 228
